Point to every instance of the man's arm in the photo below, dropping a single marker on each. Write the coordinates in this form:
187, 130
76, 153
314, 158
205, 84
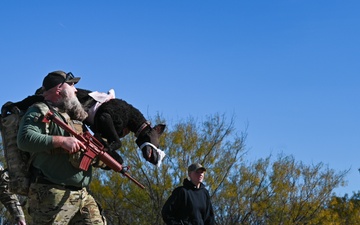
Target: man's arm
210, 217
32, 133
172, 207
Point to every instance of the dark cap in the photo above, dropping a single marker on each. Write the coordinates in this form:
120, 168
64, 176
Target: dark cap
58, 77
195, 167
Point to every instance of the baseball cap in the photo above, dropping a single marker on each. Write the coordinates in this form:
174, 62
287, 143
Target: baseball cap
195, 167
58, 77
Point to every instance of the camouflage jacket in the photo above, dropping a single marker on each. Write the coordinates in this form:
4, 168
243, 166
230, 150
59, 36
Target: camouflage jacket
9, 200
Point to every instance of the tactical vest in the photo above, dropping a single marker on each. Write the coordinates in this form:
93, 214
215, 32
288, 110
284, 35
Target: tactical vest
75, 158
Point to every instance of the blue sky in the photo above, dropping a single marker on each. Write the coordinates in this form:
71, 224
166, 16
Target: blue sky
287, 69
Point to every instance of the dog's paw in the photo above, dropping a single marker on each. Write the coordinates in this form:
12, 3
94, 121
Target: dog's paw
152, 155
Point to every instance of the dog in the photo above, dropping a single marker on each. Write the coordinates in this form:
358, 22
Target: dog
114, 118
111, 119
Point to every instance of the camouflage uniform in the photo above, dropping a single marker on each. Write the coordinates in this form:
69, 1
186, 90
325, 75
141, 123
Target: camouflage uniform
9, 200
54, 204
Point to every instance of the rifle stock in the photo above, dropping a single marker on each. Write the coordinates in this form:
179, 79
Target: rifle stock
93, 148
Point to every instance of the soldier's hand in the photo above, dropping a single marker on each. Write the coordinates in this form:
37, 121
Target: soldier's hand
70, 144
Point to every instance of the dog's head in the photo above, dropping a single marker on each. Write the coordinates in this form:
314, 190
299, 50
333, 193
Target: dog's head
148, 142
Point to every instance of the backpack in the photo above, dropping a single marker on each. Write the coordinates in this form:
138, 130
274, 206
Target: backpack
17, 161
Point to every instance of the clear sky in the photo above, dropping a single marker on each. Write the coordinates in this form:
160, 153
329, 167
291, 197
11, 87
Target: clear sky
287, 69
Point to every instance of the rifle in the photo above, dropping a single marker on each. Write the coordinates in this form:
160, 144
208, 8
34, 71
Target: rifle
93, 148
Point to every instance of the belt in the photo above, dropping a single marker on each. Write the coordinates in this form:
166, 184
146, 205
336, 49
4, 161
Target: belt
43, 180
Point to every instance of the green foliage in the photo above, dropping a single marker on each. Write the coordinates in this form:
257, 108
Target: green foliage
342, 210
267, 191
282, 191
213, 143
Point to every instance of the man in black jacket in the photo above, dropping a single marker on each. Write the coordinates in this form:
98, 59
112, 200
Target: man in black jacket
190, 204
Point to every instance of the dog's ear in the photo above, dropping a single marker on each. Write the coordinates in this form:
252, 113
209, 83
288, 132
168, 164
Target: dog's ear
159, 128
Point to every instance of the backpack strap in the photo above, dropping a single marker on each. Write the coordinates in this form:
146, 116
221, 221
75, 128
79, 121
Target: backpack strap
44, 108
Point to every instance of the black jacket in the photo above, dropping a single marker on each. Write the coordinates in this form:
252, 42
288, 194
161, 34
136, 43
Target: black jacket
188, 205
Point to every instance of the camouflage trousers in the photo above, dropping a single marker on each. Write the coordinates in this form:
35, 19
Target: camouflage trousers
53, 204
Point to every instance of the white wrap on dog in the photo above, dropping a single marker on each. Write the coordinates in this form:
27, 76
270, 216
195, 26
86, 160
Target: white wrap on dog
100, 98
160, 152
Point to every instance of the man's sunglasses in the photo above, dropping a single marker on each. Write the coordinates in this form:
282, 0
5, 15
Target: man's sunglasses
68, 76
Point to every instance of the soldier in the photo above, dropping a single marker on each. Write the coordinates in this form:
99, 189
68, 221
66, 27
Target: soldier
9, 200
59, 191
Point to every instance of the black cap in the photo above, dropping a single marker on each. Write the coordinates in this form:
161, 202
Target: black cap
195, 167
58, 77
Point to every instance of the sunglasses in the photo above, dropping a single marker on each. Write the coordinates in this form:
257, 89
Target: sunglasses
68, 77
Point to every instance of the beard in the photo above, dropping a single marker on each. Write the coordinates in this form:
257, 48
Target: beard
74, 108
71, 105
